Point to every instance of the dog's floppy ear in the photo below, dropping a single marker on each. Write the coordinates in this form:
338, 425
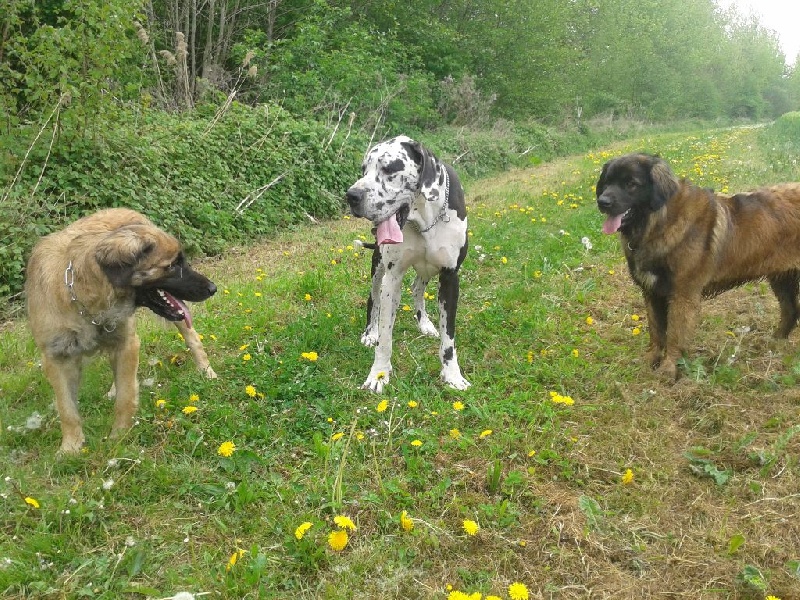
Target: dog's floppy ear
601, 183
427, 168
120, 251
665, 183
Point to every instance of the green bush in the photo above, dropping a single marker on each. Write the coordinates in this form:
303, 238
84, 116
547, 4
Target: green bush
189, 173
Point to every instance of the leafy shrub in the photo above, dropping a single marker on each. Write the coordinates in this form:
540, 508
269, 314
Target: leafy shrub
212, 179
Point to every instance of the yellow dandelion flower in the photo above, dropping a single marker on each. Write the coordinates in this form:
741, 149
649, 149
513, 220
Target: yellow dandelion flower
636, 331
470, 526
312, 356
589, 321
187, 410
457, 595
627, 477
194, 399
532, 453
234, 558
226, 449
161, 403
530, 357
416, 443
31, 502
413, 404
382, 406
244, 347
250, 391
337, 436
406, 307
302, 529
485, 433
405, 522
537, 274
458, 405
360, 435
518, 591
575, 353
344, 522
635, 317
492, 598
455, 433
307, 297
504, 260
770, 597
380, 375
246, 357
337, 540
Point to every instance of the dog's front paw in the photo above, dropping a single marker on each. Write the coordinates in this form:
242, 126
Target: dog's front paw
369, 338
667, 370
377, 380
455, 379
71, 446
427, 328
209, 373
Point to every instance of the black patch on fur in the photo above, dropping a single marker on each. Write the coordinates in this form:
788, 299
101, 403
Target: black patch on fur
395, 166
448, 354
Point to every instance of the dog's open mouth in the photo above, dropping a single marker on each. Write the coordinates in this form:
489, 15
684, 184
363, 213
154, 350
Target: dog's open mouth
163, 304
614, 222
390, 231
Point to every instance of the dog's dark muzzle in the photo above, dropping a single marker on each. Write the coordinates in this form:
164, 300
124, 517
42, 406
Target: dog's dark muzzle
355, 200
605, 203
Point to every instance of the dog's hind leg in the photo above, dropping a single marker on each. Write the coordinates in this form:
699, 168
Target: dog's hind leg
125, 364
195, 345
786, 287
423, 321
448, 304
64, 374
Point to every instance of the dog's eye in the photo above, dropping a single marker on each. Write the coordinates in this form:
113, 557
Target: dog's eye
633, 184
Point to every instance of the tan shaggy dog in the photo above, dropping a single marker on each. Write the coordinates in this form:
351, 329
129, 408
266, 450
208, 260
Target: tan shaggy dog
683, 243
83, 285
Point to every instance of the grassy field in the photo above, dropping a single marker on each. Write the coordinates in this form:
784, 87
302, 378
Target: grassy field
567, 470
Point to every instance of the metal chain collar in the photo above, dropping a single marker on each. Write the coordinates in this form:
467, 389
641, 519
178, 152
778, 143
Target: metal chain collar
442, 216
69, 281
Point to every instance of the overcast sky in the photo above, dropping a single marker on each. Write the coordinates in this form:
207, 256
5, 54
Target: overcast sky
782, 16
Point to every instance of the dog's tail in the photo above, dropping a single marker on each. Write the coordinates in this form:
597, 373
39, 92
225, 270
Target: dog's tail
368, 245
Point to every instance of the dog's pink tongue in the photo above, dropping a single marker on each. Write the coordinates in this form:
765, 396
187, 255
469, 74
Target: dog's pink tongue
177, 303
612, 224
389, 232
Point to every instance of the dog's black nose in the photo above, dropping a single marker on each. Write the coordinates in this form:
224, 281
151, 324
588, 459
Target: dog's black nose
212, 289
354, 196
603, 202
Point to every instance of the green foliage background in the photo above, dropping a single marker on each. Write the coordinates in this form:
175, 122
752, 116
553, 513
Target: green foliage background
185, 110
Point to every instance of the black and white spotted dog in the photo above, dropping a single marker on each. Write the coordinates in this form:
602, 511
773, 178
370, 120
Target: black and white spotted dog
417, 205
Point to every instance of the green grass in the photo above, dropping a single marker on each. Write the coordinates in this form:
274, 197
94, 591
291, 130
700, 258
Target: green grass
711, 511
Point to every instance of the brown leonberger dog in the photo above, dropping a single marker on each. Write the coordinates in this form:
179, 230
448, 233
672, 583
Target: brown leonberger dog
683, 243
83, 285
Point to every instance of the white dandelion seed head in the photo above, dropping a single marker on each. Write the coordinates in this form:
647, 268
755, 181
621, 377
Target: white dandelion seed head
112, 463
33, 422
108, 484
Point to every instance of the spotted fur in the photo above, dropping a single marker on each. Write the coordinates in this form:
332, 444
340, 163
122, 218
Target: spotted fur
401, 177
